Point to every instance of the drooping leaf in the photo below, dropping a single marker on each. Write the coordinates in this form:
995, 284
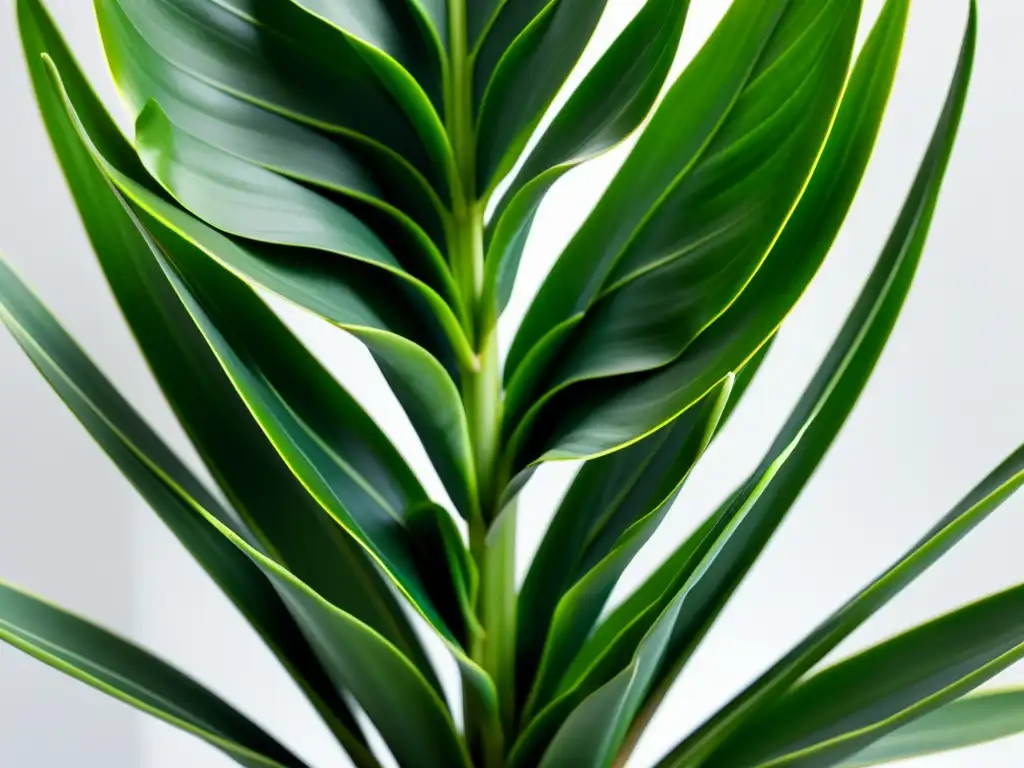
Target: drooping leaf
118, 668
361, 171
608, 105
612, 508
512, 98
967, 722
277, 55
842, 709
406, 708
225, 191
173, 493
346, 297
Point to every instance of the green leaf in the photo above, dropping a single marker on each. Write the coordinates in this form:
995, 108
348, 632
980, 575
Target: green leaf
401, 41
967, 722
611, 510
404, 706
347, 297
832, 393
878, 305
512, 97
118, 668
170, 489
597, 416
608, 105
224, 191
842, 709
364, 173
279, 57
607, 695
651, 286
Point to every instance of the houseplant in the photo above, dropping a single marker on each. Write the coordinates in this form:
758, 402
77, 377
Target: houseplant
372, 163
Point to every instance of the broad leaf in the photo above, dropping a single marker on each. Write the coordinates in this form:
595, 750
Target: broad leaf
967, 722
125, 671
224, 191
844, 708
607, 106
598, 417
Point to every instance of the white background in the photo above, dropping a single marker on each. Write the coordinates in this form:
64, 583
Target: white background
943, 407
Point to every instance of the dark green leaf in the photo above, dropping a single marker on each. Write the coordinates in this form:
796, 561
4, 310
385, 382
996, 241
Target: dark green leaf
609, 104
596, 417
361, 171
354, 301
612, 508
967, 722
278, 56
512, 96
172, 491
841, 710
655, 283
125, 671
225, 191
405, 707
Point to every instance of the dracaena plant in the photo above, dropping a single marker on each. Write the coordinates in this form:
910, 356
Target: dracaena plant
380, 164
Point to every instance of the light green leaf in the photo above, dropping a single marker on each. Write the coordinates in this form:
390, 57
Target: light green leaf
608, 105
967, 722
118, 668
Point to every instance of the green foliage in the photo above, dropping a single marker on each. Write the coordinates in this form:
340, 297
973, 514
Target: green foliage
380, 164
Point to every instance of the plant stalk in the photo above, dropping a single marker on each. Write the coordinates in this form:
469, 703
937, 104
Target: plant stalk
492, 531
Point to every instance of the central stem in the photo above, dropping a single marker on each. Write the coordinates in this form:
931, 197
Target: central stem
492, 530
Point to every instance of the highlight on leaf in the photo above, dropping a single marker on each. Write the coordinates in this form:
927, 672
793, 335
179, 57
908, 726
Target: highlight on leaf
381, 165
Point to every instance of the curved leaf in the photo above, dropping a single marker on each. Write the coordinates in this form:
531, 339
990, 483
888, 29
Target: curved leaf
600, 416
967, 722
126, 672
224, 191
172, 491
278, 56
513, 98
363, 172
659, 282
608, 105
848, 706
352, 300
606, 696
690, 114
612, 508
407, 710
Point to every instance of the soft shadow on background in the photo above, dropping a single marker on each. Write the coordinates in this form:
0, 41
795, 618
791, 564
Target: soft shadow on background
943, 407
